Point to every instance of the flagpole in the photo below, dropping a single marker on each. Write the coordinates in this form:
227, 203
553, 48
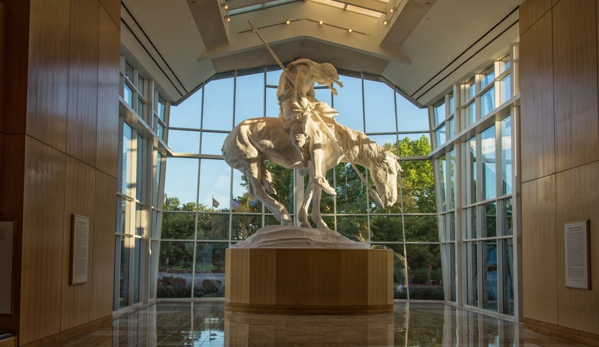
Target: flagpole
373, 193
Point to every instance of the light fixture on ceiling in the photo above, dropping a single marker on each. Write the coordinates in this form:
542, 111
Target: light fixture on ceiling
225, 6
392, 9
227, 18
350, 30
385, 22
288, 22
320, 22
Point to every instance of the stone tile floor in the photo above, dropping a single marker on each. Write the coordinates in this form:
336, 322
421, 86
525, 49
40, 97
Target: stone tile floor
206, 324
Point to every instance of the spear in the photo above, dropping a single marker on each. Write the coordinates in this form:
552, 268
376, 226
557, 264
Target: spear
373, 193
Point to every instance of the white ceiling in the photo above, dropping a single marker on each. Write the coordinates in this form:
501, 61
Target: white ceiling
427, 45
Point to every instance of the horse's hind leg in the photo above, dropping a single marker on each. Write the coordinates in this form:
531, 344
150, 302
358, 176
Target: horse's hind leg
256, 182
316, 216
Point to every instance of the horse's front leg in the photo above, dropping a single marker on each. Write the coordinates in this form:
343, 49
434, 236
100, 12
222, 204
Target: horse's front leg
302, 214
316, 216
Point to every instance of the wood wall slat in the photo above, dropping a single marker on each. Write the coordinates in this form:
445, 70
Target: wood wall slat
263, 269
377, 273
325, 289
113, 8
43, 219
83, 80
108, 95
577, 200
291, 289
539, 246
353, 263
531, 11
102, 275
240, 279
80, 200
536, 85
575, 83
48, 72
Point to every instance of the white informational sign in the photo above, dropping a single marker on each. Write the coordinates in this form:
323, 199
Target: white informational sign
6, 250
576, 243
79, 248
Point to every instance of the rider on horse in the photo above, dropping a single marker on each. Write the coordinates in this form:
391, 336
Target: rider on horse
297, 102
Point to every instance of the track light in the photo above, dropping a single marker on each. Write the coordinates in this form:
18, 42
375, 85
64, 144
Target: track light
227, 18
385, 22
225, 6
350, 30
392, 9
320, 22
288, 22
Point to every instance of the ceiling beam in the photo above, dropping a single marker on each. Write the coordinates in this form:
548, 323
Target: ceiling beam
405, 21
210, 20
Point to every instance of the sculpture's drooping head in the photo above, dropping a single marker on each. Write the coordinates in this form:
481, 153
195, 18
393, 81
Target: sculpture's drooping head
385, 178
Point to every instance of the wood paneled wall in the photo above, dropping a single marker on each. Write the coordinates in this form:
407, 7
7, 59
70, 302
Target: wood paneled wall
560, 159
59, 135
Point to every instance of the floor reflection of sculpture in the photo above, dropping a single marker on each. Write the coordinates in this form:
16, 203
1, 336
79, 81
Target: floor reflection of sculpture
256, 140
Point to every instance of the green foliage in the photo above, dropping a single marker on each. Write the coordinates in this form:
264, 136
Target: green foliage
421, 293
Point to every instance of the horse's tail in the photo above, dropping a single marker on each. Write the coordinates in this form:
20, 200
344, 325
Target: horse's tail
266, 179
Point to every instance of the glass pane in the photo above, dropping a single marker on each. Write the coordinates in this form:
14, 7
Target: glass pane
354, 228
181, 184
379, 106
212, 143
140, 85
443, 182
127, 183
141, 108
505, 89
215, 185
324, 95
386, 229
439, 112
490, 219
399, 269
184, 141
472, 273
387, 141
504, 64
249, 97
213, 226
487, 77
351, 192
175, 269
471, 224
218, 105
210, 270
410, 117
272, 75
178, 226
469, 90
418, 187
487, 102
421, 228
450, 227
470, 177
245, 225
154, 261
414, 145
272, 104
441, 136
488, 158
424, 272
160, 131
140, 181
161, 108
188, 113
123, 271
451, 132
349, 103
507, 168
125, 208
508, 226
490, 275
139, 229
469, 115
129, 71
451, 169
451, 269
128, 95
158, 165
136, 270
508, 279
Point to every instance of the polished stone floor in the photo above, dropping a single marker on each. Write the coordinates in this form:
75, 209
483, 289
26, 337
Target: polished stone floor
206, 324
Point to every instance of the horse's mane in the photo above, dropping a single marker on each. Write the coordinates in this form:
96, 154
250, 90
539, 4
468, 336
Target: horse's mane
355, 143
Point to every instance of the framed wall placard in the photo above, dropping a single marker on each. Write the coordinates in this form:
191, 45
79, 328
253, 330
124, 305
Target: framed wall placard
6, 252
79, 249
577, 254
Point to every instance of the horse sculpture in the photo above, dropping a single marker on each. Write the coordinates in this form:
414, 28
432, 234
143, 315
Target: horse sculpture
256, 140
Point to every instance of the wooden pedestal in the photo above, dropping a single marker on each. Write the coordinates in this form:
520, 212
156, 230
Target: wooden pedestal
309, 281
